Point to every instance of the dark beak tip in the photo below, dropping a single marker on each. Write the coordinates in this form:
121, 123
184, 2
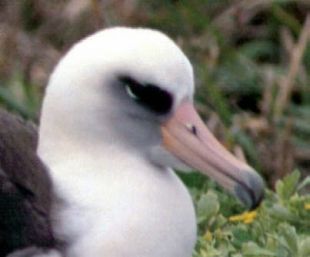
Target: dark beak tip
252, 192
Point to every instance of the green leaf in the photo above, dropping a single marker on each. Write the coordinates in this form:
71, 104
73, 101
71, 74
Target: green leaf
304, 183
282, 213
207, 206
287, 187
252, 249
290, 237
241, 235
305, 248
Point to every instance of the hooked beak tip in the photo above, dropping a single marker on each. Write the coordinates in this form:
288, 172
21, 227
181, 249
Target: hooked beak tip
251, 193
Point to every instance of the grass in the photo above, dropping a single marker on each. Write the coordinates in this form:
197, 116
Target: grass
252, 63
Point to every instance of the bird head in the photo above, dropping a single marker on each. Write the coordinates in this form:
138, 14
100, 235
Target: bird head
133, 89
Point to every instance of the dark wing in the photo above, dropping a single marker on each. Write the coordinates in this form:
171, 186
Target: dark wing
25, 188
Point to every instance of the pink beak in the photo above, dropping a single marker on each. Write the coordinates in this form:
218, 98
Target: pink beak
187, 138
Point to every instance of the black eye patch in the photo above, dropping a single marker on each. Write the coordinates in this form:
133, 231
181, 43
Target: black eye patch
151, 96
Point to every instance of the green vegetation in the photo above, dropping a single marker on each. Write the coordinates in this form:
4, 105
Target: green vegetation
280, 227
252, 63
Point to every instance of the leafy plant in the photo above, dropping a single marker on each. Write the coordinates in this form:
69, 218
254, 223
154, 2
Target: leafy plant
280, 227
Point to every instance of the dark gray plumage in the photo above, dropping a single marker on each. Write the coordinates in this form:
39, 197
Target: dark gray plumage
25, 188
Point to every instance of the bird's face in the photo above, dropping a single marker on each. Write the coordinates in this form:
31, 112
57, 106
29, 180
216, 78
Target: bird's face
185, 139
136, 88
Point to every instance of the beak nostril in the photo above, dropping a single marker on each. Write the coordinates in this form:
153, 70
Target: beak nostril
192, 128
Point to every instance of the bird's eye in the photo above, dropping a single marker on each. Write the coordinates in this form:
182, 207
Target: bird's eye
151, 96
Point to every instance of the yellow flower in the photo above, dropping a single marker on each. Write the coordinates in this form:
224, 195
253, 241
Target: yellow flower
246, 218
307, 206
208, 236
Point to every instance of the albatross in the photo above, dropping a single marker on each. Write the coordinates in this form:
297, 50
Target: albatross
117, 120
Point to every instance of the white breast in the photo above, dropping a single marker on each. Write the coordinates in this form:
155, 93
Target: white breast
143, 211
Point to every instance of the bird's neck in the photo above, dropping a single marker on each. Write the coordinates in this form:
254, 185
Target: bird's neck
86, 153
